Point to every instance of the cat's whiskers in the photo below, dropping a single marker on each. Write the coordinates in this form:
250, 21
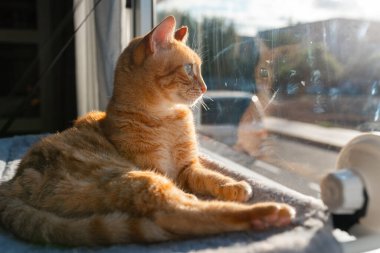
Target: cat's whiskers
208, 97
204, 105
194, 105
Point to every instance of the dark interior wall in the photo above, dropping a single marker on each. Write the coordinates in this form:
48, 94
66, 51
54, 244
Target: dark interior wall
37, 58
61, 82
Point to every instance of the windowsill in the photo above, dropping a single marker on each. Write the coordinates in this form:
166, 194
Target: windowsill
257, 168
329, 136
256, 174
348, 241
295, 147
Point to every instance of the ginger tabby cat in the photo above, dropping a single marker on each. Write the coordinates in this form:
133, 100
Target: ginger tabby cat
126, 175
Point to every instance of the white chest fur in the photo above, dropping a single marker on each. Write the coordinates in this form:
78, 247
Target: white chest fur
177, 139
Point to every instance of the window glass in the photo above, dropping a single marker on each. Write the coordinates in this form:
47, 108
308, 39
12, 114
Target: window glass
289, 82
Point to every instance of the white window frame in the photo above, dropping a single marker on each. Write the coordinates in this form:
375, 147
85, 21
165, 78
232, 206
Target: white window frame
143, 16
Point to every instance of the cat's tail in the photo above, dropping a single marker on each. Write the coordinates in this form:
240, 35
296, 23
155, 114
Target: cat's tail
39, 226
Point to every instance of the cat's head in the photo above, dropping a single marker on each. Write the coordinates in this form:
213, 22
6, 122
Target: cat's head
159, 67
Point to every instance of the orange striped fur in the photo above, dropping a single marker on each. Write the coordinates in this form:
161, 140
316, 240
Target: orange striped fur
132, 174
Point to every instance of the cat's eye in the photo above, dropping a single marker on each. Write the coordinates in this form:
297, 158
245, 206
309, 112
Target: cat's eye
189, 69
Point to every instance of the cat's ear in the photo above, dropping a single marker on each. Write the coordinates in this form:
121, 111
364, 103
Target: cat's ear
158, 38
162, 34
181, 34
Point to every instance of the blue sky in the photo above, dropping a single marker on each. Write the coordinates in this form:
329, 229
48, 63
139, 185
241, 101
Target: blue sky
251, 16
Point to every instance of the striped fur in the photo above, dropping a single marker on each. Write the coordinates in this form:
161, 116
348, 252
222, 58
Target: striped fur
130, 174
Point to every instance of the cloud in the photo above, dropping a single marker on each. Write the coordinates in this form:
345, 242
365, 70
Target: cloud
251, 16
336, 4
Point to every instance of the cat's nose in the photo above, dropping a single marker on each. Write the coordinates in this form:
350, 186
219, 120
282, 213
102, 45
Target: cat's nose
203, 87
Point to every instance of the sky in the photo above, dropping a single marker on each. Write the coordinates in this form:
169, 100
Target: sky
251, 16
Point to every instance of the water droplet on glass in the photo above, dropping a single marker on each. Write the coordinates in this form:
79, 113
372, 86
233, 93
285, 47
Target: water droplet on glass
375, 88
292, 88
316, 77
318, 107
292, 73
334, 93
376, 117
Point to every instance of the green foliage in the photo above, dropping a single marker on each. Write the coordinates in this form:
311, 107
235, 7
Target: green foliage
363, 65
299, 65
278, 37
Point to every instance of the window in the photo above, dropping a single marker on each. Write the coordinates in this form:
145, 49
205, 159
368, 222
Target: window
289, 82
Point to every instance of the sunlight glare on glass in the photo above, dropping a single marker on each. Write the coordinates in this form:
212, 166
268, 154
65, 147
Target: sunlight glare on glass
251, 16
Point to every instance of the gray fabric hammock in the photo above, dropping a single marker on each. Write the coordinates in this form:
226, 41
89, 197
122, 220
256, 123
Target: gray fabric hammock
311, 231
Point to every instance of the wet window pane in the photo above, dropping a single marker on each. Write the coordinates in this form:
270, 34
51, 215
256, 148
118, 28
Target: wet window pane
278, 72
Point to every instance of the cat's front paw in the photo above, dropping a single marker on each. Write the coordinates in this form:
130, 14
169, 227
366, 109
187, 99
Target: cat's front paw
266, 215
237, 191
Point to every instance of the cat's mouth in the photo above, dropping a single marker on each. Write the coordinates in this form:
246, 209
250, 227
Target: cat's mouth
196, 101
190, 97
194, 98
